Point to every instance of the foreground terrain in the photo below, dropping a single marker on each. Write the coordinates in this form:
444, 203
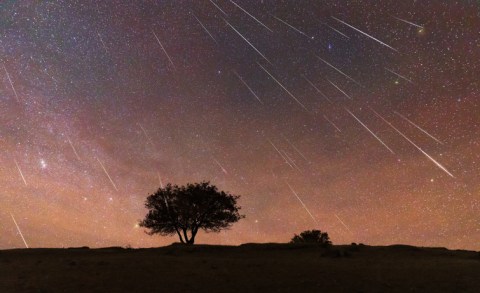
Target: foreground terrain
245, 268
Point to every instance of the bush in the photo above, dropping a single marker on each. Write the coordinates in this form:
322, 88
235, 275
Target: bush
312, 237
354, 247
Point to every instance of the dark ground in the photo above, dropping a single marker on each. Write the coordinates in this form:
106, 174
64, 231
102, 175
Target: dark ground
245, 268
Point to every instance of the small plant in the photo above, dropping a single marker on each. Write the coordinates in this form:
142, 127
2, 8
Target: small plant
313, 237
354, 247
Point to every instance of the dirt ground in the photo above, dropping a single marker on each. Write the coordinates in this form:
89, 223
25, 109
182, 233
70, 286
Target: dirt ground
245, 268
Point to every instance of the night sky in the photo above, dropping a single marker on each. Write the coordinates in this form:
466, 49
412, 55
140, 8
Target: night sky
360, 118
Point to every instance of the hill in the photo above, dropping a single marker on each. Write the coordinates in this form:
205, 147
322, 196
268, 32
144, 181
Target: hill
245, 268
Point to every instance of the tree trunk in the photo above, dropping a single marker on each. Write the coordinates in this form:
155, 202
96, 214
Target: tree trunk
187, 241
192, 238
194, 233
180, 236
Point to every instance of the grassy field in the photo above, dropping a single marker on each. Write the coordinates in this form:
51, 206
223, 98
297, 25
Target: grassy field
245, 268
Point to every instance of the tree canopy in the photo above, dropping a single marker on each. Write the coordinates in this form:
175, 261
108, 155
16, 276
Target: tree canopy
184, 210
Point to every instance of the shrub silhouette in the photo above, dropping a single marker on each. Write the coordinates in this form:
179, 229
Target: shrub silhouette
312, 236
186, 209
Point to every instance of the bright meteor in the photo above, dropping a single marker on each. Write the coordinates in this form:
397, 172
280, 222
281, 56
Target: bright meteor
165, 51
337, 31
108, 175
339, 71
343, 92
204, 28
248, 42
371, 37
19, 231
218, 7
371, 132
11, 83
416, 146
73, 148
291, 26
220, 165
418, 127
409, 22
399, 75
20, 171
333, 124
300, 200
261, 23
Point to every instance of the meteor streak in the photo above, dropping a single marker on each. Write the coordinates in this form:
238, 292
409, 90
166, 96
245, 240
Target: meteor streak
386, 45
11, 83
317, 89
204, 28
160, 179
105, 170
344, 225
165, 51
245, 39
261, 23
221, 167
409, 22
20, 171
417, 147
333, 124
401, 76
281, 155
218, 7
248, 87
295, 148
340, 89
281, 85
292, 161
145, 133
291, 26
73, 148
300, 200
103, 43
339, 71
418, 127
366, 127
19, 231
336, 30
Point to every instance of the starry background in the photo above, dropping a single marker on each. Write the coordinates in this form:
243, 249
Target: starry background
102, 102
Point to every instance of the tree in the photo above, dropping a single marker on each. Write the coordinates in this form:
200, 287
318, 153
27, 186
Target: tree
312, 236
186, 209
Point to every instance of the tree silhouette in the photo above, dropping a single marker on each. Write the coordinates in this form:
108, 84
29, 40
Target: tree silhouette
186, 209
312, 236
